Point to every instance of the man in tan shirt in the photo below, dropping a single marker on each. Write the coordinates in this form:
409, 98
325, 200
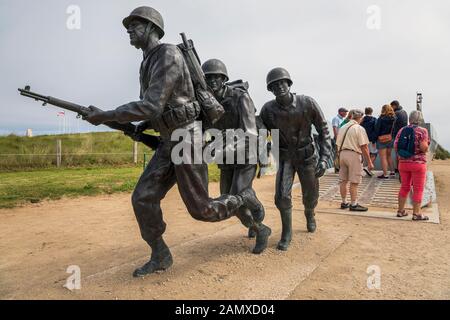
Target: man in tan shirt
353, 142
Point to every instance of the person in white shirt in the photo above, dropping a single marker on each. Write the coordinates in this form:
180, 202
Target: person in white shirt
336, 122
352, 144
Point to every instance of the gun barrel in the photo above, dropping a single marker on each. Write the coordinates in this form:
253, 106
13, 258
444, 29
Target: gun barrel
127, 128
184, 39
34, 95
54, 101
68, 106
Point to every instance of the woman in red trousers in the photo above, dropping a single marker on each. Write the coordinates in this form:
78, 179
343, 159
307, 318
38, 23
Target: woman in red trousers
413, 169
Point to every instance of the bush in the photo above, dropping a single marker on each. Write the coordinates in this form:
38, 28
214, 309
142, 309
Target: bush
441, 153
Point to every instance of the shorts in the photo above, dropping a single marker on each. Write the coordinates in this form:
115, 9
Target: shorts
350, 166
373, 148
388, 145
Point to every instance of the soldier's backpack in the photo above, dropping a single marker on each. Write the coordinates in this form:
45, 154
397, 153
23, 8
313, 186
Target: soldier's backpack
243, 85
406, 142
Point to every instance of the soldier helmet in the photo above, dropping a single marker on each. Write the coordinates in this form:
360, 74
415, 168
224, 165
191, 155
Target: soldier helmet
215, 66
278, 74
149, 14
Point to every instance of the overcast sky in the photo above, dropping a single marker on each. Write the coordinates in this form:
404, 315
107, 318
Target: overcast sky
327, 46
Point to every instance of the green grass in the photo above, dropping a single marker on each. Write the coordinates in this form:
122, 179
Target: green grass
92, 164
441, 153
18, 188
86, 149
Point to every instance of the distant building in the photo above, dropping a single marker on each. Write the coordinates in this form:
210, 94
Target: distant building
29, 133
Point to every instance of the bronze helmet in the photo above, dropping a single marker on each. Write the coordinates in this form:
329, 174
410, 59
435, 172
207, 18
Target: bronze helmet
149, 14
276, 75
215, 66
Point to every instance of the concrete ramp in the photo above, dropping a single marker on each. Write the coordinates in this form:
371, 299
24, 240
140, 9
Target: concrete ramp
379, 195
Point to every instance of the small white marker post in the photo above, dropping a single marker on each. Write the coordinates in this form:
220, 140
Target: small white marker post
135, 152
58, 153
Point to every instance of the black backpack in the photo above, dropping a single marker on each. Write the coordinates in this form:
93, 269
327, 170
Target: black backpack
406, 142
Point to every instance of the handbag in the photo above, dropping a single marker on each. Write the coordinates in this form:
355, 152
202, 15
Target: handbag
386, 138
337, 164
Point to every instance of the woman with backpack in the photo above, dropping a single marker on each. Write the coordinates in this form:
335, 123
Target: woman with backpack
385, 141
411, 144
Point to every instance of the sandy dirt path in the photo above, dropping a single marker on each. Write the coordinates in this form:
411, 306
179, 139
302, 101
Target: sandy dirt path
213, 261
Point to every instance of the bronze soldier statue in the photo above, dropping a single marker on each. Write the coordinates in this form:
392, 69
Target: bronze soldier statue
239, 114
294, 115
168, 101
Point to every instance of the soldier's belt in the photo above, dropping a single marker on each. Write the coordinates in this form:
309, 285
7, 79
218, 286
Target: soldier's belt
305, 153
178, 116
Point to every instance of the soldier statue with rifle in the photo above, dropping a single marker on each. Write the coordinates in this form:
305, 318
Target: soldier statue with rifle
172, 97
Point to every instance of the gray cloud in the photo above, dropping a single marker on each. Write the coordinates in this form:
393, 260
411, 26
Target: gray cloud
326, 46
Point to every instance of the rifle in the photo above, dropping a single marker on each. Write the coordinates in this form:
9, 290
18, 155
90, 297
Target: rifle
128, 129
193, 61
211, 108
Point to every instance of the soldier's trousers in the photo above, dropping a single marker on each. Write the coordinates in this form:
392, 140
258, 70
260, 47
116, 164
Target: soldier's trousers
159, 177
284, 182
234, 179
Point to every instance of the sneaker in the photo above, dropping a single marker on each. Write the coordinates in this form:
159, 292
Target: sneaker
383, 177
345, 205
370, 174
392, 174
358, 208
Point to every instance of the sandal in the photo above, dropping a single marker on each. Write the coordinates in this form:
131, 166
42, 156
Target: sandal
420, 217
401, 214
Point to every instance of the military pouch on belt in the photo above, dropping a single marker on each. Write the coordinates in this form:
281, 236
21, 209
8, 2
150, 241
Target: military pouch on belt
177, 116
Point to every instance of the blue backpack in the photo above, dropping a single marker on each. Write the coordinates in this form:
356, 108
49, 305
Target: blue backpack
405, 144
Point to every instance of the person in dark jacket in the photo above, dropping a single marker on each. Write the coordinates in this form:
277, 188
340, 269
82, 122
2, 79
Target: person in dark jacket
402, 121
384, 127
369, 123
401, 115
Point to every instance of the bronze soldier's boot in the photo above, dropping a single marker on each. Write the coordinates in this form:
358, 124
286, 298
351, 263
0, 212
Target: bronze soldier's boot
161, 259
286, 233
310, 220
249, 199
262, 236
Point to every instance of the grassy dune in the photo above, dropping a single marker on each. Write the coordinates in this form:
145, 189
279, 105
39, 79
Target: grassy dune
92, 164
86, 149
18, 188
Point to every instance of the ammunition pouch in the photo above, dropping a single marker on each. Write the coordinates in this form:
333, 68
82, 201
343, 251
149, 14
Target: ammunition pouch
212, 110
175, 117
